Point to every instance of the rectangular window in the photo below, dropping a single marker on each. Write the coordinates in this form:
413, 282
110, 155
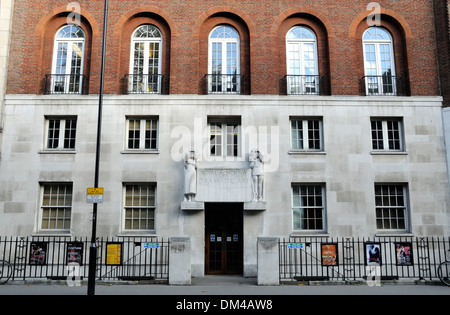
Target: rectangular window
391, 206
140, 205
61, 133
387, 134
56, 206
225, 137
308, 206
306, 134
142, 133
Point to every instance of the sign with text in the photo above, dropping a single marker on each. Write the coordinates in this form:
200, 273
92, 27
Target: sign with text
94, 195
113, 253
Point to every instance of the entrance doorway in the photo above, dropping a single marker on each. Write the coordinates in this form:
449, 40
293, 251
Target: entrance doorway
223, 238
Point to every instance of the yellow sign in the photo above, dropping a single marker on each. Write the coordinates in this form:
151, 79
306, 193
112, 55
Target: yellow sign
95, 191
113, 253
94, 195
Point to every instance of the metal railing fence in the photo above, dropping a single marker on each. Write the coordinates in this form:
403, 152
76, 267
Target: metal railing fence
351, 259
55, 258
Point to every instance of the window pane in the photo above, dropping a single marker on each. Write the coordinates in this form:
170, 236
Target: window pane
390, 207
139, 207
56, 206
308, 210
134, 126
53, 133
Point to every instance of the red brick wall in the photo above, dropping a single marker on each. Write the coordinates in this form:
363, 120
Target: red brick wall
443, 47
262, 25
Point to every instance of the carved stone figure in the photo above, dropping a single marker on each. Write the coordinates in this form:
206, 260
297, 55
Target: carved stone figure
256, 159
190, 175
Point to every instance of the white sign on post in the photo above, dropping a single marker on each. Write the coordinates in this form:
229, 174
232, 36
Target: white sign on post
94, 195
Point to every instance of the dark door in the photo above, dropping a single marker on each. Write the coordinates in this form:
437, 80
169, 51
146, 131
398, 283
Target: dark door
223, 238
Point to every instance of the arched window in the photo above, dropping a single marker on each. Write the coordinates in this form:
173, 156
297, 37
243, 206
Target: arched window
302, 61
224, 60
379, 65
145, 62
68, 55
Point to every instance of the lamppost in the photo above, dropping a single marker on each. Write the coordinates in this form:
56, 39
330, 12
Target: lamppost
93, 246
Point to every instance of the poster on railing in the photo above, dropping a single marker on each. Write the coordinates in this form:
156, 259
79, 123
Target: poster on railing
113, 253
38, 254
404, 254
329, 255
372, 253
75, 253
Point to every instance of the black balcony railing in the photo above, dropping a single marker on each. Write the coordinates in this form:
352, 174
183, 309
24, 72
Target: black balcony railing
224, 83
144, 83
381, 85
66, 84
303, 84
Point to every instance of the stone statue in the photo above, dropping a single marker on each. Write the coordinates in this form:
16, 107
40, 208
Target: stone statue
190, 175
256, 159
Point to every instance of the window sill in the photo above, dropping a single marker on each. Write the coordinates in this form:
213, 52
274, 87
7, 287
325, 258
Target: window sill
305, 152
61, 233
139, 152
138, 233
393, 233
388, 153
309, 234
57, 152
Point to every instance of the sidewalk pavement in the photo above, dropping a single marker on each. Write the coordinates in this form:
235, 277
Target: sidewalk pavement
223, 286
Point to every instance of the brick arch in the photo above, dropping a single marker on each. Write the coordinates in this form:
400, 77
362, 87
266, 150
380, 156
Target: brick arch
118, 27
222, 10
321, 27
401, 34
302, 10
41, 26
45, 33
122, 32
386, 12
205, 23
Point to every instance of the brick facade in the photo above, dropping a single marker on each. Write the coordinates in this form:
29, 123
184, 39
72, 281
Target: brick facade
262, 26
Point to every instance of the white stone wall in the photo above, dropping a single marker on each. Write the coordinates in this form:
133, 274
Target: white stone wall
6, 7
346, 167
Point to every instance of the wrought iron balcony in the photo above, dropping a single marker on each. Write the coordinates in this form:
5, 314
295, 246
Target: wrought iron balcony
381, 85
224, 83
303, 84
144, 83
65, 84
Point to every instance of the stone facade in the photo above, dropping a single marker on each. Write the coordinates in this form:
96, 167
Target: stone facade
344, 172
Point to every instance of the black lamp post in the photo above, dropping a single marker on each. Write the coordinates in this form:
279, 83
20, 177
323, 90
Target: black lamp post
93, 246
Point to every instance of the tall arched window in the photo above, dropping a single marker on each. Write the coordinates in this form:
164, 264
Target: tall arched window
302, 63
224, 60
379, 65
145, 62
68, 55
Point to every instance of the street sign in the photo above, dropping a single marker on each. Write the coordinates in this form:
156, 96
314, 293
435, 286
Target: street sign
94, 195
151, 245
295, 245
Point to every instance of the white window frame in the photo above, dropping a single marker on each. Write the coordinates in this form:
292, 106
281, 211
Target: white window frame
138, 207
385, 134
298, 81
71, 41
378, 67
322, 208
305, 133
386, 209
145, 67
56, 207
62, 130
142, 128
225, 124
227, 76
